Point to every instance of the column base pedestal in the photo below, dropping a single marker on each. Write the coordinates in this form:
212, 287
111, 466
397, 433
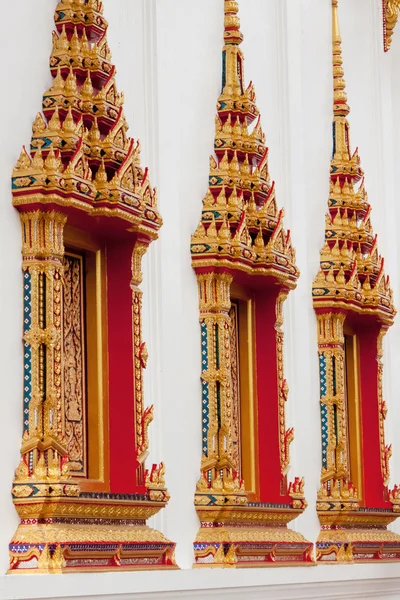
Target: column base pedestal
98, 532
250, 536
357, 537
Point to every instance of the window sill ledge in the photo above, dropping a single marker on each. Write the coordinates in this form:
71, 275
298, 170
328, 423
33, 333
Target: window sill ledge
340, 582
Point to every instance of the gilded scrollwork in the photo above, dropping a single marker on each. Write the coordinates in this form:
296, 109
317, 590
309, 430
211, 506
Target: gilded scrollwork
391, 10
286, 436
139, 251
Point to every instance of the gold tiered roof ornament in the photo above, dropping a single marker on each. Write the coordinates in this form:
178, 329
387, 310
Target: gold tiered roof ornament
391, 10
241, 241
241, 225
81, 156
353, 301
83, 170
352, 271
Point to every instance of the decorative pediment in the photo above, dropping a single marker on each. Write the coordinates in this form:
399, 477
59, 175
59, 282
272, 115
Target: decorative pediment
81, 140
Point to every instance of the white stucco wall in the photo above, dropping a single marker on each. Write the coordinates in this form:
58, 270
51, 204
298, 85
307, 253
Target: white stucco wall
167, 54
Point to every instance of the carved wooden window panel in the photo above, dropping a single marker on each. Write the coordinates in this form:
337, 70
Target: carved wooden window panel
244, 393
352, 403
87, 255
75, 353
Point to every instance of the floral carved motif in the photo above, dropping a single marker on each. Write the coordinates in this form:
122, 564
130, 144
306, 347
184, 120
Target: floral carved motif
74, 375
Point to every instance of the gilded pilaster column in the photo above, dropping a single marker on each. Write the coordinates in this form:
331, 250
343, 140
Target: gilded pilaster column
286, 436
386, 450
140, 352
155, 478
218, 464
335, 477
44, 454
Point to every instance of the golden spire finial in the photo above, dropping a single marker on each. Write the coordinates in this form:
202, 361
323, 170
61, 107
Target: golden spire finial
232, 33
340, 106
233, 71
335, 22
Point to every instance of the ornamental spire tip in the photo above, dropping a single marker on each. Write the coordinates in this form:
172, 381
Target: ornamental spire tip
340, 106
232, 33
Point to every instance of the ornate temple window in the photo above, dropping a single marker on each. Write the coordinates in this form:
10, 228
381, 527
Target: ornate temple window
354, 307
245, 268
88, 214
390, 16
